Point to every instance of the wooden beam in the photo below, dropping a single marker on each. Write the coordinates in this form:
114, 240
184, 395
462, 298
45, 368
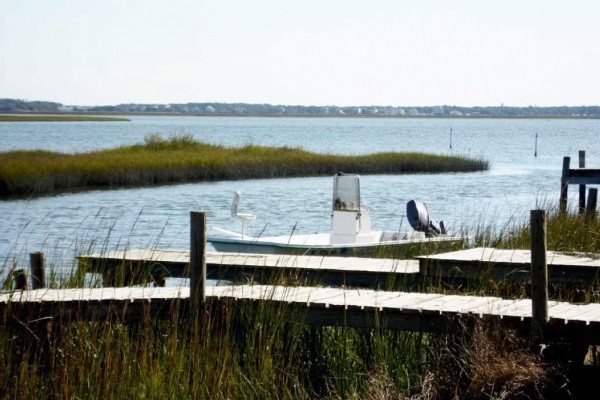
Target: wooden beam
19, 277
564, 185
539, 274
38, 274
197, 260
581, 187
585, 176
590, 211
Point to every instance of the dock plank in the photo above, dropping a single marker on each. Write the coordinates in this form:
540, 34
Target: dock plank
374, 299
512, 308
352, 271
499, 264
579, 312
456, 303
320, 305
511, 265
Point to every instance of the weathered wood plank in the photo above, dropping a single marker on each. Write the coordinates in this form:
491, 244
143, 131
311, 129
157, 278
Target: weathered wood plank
456, 303
579, 312
351, 271
510, 265
482, 306
323, 295
584, 176
261, 260
410, 301
326, 306
512, 308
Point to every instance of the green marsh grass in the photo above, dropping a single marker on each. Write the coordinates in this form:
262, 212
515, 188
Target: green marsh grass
262, 350
238, 349
181, 159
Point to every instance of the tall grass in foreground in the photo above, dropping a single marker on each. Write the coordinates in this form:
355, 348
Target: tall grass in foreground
181, 159
253, 350
246, 350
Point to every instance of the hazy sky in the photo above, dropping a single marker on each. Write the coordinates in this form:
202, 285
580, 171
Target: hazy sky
309, 52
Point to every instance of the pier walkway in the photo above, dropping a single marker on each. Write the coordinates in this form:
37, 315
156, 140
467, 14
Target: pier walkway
424, 312
136, 265
499, 264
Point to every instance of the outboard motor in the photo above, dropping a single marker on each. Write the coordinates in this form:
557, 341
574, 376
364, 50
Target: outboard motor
418, 217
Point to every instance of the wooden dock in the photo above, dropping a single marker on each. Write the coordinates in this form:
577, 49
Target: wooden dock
423, 312
136, 265
498, 264
510, 265
581, 176
338, 306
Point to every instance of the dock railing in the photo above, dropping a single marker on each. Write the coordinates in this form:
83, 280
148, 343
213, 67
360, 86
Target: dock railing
579, 176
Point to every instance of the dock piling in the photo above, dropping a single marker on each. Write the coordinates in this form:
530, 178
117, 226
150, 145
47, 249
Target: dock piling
19, 277
564, 185
38, 274
582, 186
197, 259
539, 274
590, 210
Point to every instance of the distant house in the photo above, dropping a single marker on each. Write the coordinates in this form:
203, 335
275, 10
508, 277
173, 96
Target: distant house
210, 109
66, 108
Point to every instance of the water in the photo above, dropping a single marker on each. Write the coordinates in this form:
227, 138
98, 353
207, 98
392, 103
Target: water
68, 224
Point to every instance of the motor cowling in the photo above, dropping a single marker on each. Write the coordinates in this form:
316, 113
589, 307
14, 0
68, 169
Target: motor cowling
419, 219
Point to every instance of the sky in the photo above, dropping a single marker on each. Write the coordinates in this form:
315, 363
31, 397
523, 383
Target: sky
302, 52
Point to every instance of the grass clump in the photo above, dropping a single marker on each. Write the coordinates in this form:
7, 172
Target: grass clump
484, 361
181, 159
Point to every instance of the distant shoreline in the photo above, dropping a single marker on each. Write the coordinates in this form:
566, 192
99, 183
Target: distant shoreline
43, 117
92, 116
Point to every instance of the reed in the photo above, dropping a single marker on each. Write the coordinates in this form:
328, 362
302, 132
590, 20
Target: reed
181, 159
58, 118
239, 350
245, 349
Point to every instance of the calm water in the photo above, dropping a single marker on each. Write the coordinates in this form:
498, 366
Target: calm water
68, 224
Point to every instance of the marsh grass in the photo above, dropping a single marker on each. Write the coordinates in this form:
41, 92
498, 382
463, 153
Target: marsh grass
484, 361
181, 159
237, 349
264, 350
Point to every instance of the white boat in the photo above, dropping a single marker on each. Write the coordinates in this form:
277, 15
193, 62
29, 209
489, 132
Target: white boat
350, 233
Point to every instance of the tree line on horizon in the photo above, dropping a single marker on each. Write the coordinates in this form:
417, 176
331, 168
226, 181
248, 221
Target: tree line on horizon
211, 108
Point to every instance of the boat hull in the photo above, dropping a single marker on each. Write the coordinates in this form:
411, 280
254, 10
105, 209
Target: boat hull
398, 247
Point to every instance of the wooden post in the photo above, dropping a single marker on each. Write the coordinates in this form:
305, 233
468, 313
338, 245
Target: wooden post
197, 260
581, 187
38, 274
20, 279
539, 274
590, 210
564, 184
